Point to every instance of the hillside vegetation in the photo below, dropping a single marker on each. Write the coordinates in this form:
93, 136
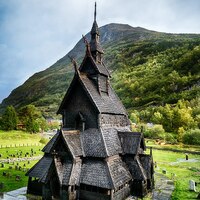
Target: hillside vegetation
156, 75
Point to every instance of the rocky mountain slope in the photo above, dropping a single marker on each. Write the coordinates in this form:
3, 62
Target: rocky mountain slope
148, 68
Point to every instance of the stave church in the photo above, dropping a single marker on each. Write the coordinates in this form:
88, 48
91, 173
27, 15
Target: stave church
94, 155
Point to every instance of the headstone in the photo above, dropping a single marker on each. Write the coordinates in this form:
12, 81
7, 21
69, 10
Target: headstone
186, 156
18, 178
192, 185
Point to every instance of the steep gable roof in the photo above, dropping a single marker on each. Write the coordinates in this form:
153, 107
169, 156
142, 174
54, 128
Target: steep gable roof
135, 167
131, 142
147, 163
41, 168
51, 143
118, 171
111, 140
104, 103
72, 139
89, 62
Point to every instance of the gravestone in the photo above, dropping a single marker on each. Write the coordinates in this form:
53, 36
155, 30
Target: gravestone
18, 178
186, 156
192, 185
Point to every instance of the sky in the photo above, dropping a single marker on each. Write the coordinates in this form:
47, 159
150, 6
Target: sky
34, 34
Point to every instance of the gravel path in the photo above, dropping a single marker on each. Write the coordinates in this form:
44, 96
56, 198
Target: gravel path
163, 187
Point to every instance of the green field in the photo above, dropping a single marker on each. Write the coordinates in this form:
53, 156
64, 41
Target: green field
18, 138
23, 150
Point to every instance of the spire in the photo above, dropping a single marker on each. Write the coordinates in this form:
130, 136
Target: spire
95, 46
95, 11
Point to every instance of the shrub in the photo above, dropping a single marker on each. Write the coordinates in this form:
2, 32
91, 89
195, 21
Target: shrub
192, 137
170, 138
155, 132
43, 140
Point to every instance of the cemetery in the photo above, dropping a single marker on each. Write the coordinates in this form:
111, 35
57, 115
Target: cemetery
184, 174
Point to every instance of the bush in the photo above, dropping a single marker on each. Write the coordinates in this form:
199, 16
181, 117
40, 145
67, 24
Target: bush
155, 132
43, 140
192, 137
170, 138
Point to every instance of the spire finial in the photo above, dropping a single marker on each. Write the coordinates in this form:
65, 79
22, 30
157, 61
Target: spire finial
95, 11
75, 64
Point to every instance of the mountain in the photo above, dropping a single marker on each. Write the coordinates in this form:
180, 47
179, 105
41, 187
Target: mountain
148, 68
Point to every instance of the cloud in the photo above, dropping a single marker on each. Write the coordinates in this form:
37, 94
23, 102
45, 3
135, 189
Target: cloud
34, 34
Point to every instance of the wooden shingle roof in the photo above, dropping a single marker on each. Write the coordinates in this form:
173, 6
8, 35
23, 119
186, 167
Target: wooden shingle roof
75, 173
131, 142
49, 146
72, 139
109, 174
118, 171
99, 68
92, 143
111, 140
95, 173
67, 168
105, 103
135, 167
147, 163
41, 168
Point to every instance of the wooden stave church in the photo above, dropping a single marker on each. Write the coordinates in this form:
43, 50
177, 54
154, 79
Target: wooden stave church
94, 155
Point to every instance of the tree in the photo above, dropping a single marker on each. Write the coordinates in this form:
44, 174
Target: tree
9, 119
29, 116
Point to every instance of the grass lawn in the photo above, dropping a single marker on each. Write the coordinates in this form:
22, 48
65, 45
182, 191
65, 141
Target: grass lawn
152, 143
13, 138
13, 145
179, 170
20, 152
10, 181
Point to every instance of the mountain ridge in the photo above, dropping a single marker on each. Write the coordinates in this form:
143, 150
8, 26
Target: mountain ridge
46, 88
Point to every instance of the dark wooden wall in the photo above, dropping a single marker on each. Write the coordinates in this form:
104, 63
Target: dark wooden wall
79, 102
